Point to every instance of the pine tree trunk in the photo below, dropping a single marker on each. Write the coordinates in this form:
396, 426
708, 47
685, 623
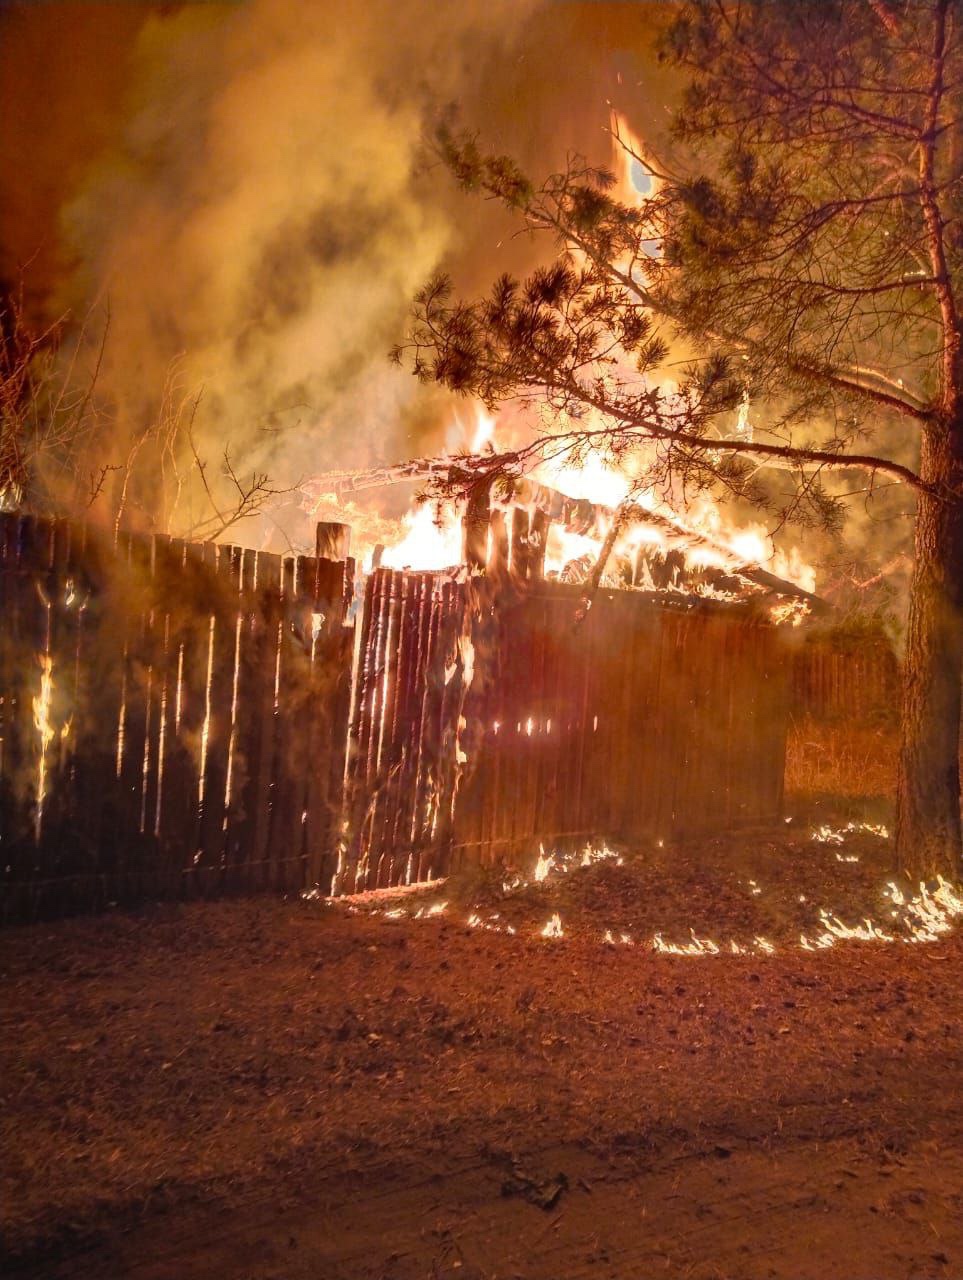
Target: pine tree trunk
928, 835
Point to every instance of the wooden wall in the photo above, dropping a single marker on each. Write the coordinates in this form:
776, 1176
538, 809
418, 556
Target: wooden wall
404, 731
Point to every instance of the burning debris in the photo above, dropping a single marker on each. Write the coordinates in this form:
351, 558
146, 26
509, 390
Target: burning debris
553, 927
837, 835
604, 534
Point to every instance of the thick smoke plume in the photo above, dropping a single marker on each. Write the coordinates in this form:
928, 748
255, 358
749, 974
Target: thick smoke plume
259, 232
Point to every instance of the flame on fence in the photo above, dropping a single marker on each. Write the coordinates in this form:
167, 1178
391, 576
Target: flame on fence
430, 538
229, 780
46, 731
122, 714
206, 724
145, 761
162, 732
794, 612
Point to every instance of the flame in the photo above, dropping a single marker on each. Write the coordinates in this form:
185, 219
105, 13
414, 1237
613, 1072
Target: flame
564, 547
752, 545
543, 865
931, 913
924, 917
45, 728
484, 430
466, 651
836, 835
553, 927
432, 539
429, 536
794, 612
697, 947
561, 862
590, 478
635, 183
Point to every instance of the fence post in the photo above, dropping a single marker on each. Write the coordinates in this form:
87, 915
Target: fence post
332, 540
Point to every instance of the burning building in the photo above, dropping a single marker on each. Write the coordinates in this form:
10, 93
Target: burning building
182, 718
502, 702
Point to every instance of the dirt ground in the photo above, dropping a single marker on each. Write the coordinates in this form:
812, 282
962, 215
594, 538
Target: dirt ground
285, 1091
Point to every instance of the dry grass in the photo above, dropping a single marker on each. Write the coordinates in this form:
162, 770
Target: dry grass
848, 761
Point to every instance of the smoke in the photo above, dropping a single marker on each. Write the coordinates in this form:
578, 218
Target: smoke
259, 229
256, 221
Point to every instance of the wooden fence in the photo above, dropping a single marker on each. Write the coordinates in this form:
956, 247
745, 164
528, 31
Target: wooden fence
489, 722
182, 719
842, 745
403, 757
846, 678
167, 716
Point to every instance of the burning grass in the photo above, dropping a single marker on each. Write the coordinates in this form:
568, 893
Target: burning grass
748, 894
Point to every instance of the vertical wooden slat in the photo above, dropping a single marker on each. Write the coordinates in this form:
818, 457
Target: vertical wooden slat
236, 633
404, 742
217, 678
537, 544
430, 618
316, 577
285, 822
533, 710
475, 526
332, 540
365, 741
249, 743
386, 758
498, 545
425, 785
519, 550
269, 607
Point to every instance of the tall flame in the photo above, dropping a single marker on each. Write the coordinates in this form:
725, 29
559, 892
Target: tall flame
45, 728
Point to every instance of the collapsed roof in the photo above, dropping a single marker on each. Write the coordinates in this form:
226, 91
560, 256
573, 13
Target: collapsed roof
475, 474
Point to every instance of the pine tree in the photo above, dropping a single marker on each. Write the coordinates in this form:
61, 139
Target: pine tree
803, 241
